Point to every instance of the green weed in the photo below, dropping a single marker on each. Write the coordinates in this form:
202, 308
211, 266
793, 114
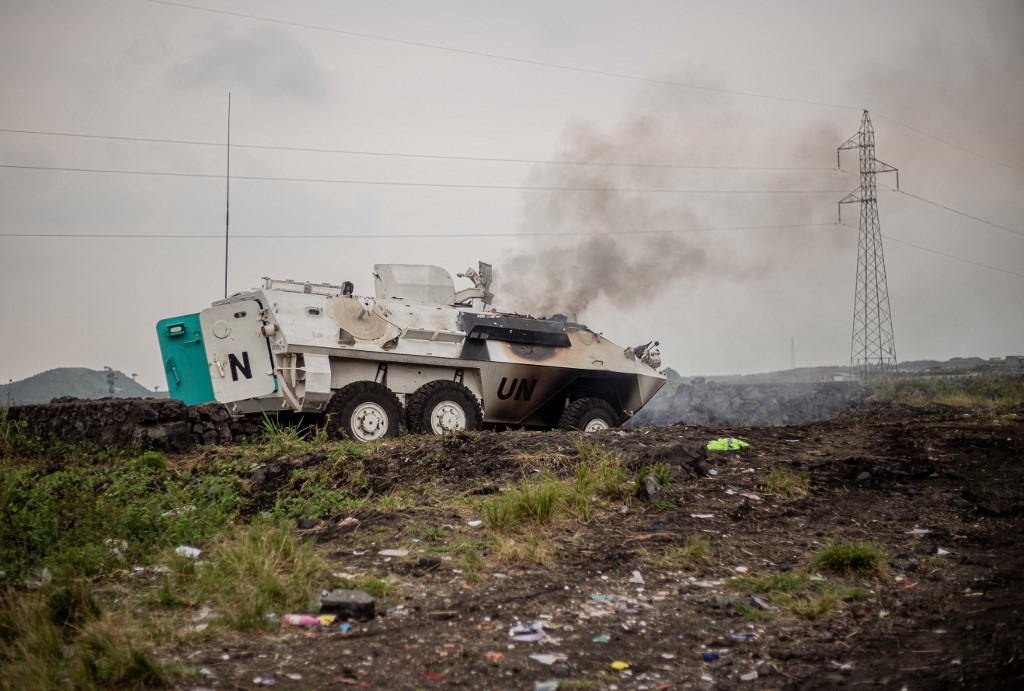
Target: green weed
261, 570
678, 557
59, 635
862, 558
783, 482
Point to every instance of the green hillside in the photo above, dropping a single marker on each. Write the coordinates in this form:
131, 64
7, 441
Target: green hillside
79, 382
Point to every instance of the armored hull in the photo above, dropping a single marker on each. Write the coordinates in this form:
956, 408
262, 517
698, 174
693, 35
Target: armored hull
417, 352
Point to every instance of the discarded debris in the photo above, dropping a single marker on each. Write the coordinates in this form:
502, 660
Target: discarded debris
619, 665
187, 551
636, 578
394, 553
527, 633
650, 489
727, 444
549, 658
348, 604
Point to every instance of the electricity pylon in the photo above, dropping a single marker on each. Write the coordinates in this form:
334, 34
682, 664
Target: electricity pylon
872, 351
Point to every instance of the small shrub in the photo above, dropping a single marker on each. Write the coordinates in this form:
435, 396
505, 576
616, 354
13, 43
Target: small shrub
150, 461
261, 570
531, 550
863, 558
693, 550
783, 482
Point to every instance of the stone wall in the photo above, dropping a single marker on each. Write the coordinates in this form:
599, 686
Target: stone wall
711, 403
133, 423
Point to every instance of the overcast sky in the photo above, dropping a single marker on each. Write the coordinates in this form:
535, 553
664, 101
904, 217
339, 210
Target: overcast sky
434, 132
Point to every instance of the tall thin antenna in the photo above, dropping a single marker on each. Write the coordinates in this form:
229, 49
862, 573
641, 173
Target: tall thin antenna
872, 350
227, 201
792, 352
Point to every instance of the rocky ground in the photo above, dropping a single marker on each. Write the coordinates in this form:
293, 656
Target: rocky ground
617, 605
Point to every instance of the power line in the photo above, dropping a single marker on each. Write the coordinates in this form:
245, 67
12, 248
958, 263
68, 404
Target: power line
572, 68
506, 58
952, 145
362, 152
941, 254
532, 188
406, 236
963, 213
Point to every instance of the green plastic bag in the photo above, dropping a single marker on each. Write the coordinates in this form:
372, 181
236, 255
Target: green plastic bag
727, 444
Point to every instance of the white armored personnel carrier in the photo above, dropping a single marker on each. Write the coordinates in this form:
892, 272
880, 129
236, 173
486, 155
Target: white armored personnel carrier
418, 352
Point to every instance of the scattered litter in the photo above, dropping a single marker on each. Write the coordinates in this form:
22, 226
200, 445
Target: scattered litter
707, 584
749, 676
727, 444
761, 603
394, 553
492, 655
475, 524
527, 633
348, 604
742, 569
308, 619
655, 527
603, 638
941, 552
349, 521
751, 496
294, 677
433, 676
713, 472
264, 681
702, 515
636, 578
619, 665
206, 672
551, 685
841, 666
669, 656
743, 636
601, 598
186, 551
918, 531
709, 657
346, 627
549, 658
955, 661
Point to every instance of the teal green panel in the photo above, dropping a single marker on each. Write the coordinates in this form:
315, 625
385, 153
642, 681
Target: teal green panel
185, 361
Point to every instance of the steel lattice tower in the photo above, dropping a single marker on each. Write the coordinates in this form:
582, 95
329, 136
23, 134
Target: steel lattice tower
873, 350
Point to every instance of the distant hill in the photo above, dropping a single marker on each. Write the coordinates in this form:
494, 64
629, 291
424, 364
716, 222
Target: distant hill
78, 382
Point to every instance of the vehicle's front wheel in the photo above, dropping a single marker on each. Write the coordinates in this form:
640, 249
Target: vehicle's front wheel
443, 407
364, 411
588, 415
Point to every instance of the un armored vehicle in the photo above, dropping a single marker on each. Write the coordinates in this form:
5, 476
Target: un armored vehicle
417, 352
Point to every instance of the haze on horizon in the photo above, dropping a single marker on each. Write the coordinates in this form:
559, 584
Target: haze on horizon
665, 169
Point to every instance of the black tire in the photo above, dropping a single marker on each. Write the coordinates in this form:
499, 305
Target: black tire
443, 407
364, 411
589, 415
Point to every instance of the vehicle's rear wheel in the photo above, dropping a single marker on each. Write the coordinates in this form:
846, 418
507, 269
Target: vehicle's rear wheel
364, 411
588, 415
443, 407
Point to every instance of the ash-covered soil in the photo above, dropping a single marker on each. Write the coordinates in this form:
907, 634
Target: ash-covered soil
941, 490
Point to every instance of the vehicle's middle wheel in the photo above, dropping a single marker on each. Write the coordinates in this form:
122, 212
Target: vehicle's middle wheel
443, 407
364, 411
589, 415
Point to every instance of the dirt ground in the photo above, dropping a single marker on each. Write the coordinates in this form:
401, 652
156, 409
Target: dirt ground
940, 489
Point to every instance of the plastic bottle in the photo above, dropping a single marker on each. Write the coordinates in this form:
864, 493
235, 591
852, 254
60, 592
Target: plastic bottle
301, 620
